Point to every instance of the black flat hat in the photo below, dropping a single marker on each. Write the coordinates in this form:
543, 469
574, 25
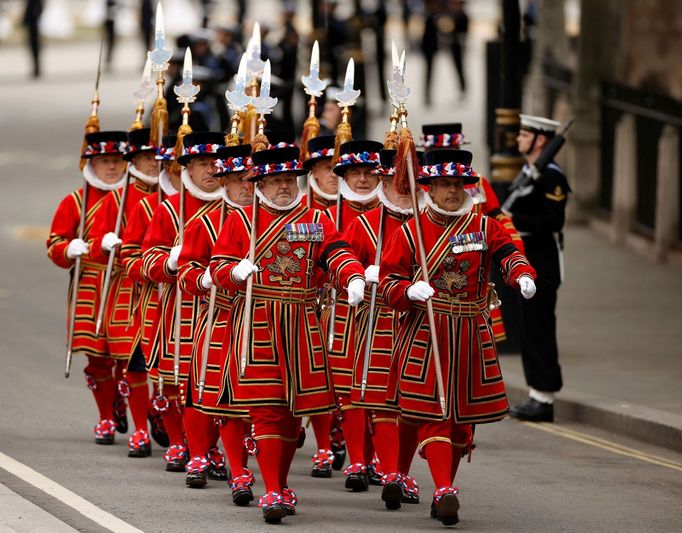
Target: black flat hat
233, 159
276, 161
446, 163
105, 143
357, 154
319, 148
203, 143
138, 142
444, 135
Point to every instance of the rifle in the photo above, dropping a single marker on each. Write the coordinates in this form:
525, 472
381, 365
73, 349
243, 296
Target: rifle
532, 172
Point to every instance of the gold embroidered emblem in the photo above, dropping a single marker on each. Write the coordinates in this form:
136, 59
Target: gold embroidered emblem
285, 267
558, 195
452, 278
299, 252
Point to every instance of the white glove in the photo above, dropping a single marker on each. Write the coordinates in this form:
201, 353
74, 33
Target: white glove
110, 241
243, 270
420, 291
76, 248
206, 279
173, 257
356, 292
527, 286
372, 274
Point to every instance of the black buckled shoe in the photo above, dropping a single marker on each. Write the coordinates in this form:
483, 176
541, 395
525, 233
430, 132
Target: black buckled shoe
447, 508
197, 468
533, 411
392, 494
273, 507
322, 464
176, 458
242, 494
217, 470
356, 478
338, 447
374, 474
139, 444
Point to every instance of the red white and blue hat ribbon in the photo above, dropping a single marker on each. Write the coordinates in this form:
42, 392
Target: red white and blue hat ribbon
359, 158
199, 149
282, 144
443, 140
325, 152
134, 148
272, 168
165, 153
233, 164
447, 169
107, 147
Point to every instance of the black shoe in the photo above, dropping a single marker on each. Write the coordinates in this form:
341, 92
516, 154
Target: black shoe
357, 482
175, 466
410, 498
144, 450
447, 508
104, 439
158, 430
218, 473
324, 470
273, 514
196, 481
533, 411
373, 476
392, 494
339, 455
434, 509
242, 497
120, 415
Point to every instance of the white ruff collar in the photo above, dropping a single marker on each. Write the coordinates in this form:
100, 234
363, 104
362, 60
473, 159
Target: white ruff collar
229, 202
276, 207
94, 181
165, 184
421, 199
145, 178
312, 181
348, 194
466, 208
196, 191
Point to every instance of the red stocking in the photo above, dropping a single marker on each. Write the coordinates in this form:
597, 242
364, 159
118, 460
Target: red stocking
138, 399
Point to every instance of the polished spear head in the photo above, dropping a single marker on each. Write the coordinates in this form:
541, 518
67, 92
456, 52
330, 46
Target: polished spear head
237, 100
314, 86
187, 93
146, 86
397, 90
161, 55
264, 103
254, 64
348, 96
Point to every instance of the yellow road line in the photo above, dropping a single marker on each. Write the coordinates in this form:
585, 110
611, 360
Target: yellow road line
605, 445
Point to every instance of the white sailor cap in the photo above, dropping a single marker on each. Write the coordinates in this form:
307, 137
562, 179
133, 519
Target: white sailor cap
538, 124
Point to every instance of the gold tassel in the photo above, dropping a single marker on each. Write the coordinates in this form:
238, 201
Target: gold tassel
232, 139
311, 129
391, 140
343, 135
91, 126
159, 118
406, 147
259, 143
184, 129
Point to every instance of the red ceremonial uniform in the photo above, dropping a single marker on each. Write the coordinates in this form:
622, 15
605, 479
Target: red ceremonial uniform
195, 257
286, 361
161, 237
131, 257
342, 353
362, 235
64, 229
473, 383
120, 327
